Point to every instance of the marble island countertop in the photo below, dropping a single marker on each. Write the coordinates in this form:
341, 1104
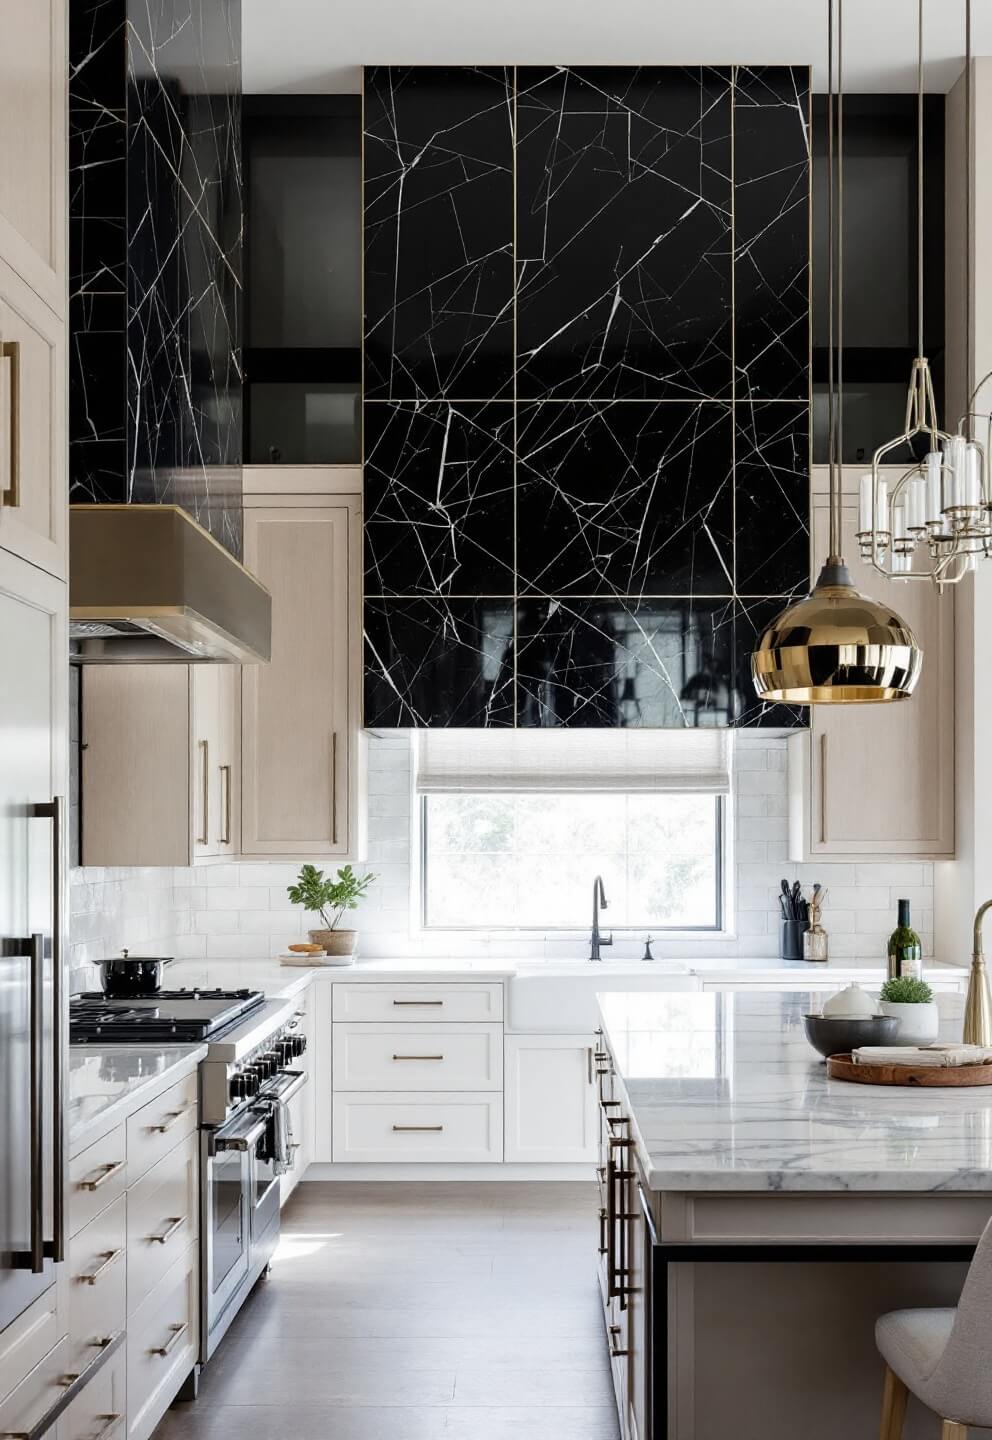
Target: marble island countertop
107, 1084
725, 1094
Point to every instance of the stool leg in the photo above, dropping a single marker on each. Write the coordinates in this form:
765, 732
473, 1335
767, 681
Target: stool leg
951, 1430
894, 1397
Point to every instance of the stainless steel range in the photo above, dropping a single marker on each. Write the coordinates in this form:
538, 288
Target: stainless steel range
246, 1142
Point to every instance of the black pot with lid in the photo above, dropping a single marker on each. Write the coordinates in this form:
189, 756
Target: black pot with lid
128, 977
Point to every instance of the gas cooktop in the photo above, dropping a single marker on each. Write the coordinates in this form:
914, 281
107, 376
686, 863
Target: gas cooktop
172, 1015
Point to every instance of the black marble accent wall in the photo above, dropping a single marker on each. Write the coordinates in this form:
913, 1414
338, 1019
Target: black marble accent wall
155, 256
586, 391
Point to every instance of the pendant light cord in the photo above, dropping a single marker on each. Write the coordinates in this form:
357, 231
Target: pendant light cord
968, 361
919, 181
831, 388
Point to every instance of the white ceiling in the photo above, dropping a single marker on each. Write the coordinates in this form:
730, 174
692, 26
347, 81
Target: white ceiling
319, 45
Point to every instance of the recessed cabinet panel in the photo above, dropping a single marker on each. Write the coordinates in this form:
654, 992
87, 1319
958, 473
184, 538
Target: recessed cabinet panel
33, 144
299, 741
550, 1099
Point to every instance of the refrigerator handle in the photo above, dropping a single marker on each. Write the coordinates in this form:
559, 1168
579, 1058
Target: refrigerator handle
53, 810
37, 1123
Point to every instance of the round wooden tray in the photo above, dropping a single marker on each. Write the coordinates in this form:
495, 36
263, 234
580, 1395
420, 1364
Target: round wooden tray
843, 1067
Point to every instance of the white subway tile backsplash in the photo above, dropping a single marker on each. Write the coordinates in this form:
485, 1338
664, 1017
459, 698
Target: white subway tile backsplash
236, 911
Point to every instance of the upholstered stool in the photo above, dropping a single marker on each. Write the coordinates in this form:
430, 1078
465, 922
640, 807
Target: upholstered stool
944, 1357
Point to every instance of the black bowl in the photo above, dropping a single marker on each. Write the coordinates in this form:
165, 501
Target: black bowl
832, 1036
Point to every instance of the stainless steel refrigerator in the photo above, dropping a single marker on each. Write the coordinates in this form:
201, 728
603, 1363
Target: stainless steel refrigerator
33, 1020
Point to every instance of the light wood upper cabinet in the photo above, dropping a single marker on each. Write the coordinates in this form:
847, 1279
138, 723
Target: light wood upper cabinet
159, 763
878, 780
33, 155
33, 452
302, 750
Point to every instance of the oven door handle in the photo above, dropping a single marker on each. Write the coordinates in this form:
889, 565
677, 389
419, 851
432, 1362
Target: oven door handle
297, 1079
241, 1139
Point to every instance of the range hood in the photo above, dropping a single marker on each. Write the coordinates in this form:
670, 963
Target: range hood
147, 583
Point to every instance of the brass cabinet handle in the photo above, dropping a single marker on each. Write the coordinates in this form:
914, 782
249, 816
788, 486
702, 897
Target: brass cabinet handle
205, 791
174, 1118
175, 1223
823, 788
615, 1351
225, 786
178, 1331
589, 1075
107, 1172
334, 787
418, 1127
418, 1057
10, 351
110, 1257
111, 1423
418, 1002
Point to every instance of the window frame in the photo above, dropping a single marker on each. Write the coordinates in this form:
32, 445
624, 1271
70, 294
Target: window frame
720, 930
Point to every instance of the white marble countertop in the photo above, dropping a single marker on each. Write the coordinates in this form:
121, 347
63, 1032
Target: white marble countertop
106, 1084
726, 1094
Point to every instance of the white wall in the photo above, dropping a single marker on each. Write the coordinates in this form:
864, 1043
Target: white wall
241, 911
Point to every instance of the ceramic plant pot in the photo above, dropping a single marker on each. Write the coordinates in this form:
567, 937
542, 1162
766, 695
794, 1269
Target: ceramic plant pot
339, 945
918, 1024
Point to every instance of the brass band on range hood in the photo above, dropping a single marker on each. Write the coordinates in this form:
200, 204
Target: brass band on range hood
836, 647
148, 584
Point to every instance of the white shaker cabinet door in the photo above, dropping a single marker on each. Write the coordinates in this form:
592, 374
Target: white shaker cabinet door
550, 1099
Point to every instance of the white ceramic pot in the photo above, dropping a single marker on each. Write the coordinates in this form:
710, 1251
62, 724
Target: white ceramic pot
918, 1024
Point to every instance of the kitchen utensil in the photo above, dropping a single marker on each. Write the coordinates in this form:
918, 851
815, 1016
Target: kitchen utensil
788, 900
127, 977
844, 1067
835, 1036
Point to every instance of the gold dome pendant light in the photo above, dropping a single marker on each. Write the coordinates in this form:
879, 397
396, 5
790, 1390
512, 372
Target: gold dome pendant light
836, 647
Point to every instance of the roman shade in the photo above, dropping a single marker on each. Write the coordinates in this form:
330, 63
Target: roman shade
449, 761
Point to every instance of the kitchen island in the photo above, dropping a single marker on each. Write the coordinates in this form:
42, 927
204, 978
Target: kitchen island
757, 1216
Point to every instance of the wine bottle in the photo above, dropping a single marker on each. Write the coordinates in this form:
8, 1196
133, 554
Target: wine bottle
905, 950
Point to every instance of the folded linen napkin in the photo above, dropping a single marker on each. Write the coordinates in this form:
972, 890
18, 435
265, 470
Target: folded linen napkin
917, 1055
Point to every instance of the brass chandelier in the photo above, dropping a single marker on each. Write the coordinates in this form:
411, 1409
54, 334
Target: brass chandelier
936, 520
836, 647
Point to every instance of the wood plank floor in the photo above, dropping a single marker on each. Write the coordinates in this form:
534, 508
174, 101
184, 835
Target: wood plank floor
463, 1311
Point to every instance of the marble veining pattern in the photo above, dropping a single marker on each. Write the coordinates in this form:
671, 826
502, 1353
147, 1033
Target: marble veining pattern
587, 411
155, 256
726, 1094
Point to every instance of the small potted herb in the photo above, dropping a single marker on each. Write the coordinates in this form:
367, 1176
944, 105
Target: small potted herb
330, 897
911, 1002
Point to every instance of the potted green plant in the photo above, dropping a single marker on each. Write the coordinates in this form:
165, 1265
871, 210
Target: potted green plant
911, 1001
330, 897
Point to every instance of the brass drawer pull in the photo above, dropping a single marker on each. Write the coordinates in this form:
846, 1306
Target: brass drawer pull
110, 1257
615, 1351
418, 1057
107, 1172
418, 1127
170, 1230
10, 351
174, 1118
111, 1423
178, 1331
334, 787
204, 838
418, 1002
225, 785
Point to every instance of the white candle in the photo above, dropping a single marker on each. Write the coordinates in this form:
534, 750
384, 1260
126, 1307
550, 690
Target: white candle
882, 512
955, 457
916, 505
934, 502
972, 475
899, 521
864, 505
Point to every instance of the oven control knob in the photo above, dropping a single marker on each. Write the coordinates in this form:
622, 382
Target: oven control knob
249, 1082
299, 1044
235, 1087
287, 1049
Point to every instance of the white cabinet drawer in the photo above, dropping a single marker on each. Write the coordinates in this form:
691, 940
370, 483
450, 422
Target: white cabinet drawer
407, 1127
418, 1001
97, 1283
100, 1412
40, 1389
97, 1176
417, 1057
162, 1344
161, 1124
162, 1214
